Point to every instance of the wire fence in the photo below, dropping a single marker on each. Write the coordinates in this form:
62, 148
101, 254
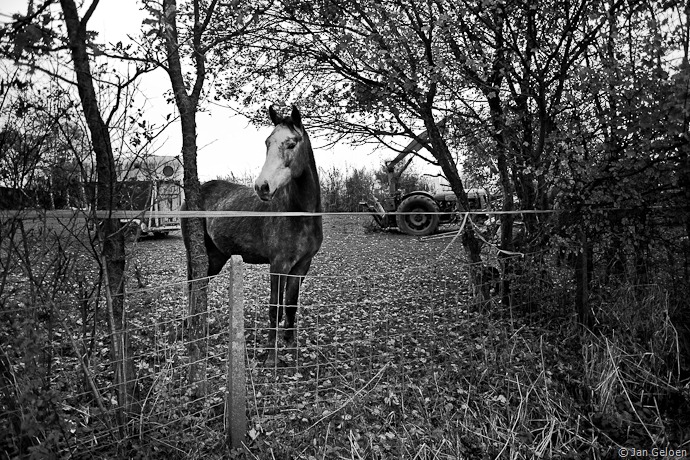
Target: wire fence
371, 335
86, 418
372, 323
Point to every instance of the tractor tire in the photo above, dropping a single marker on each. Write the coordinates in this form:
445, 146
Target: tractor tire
418, 224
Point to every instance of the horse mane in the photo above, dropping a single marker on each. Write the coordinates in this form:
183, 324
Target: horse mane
290, 124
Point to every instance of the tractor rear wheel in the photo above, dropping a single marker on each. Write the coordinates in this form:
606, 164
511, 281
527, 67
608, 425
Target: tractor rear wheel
418, 224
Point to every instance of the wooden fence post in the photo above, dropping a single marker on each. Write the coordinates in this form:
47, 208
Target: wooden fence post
235, 401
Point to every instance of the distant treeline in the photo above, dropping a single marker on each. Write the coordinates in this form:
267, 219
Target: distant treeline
41, 194
15, 198
135, 195
343, 189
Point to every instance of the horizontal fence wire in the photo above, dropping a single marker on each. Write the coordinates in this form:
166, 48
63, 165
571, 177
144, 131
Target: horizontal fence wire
66, 214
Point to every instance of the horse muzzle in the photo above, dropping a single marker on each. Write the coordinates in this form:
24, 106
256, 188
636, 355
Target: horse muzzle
263, 191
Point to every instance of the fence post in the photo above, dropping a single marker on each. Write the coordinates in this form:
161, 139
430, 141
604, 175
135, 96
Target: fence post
582, 276
235, 403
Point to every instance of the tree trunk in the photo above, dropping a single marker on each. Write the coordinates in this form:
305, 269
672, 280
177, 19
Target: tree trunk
471, 243
113, 245
193, 234
197, 261
507, 188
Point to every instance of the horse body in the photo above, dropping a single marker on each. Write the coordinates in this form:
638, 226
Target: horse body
279, 241
288, 182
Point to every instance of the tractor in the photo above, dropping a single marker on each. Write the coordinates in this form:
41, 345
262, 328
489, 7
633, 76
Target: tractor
432, 209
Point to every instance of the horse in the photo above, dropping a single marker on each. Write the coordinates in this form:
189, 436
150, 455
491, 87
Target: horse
288, 182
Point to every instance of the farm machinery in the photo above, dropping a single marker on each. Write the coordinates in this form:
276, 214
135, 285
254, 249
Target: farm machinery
151, 184
423, 211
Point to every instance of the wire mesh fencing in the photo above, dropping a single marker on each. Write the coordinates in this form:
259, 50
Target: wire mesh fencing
82, 415
371, 335
376, 317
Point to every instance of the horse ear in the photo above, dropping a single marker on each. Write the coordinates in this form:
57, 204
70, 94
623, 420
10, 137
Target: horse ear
296, 117
275, 118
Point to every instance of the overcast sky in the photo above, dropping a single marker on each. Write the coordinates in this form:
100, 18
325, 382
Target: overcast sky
227, 142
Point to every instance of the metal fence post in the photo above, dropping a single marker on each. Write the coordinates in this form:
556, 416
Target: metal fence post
582, 279
235, 402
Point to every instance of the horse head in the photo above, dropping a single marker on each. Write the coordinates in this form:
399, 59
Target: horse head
285, 154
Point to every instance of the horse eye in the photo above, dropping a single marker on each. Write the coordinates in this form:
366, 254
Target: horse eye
291, 145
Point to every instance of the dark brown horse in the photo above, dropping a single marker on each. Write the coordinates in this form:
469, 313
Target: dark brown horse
288, 182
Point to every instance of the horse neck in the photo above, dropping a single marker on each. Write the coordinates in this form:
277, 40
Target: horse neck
304, 192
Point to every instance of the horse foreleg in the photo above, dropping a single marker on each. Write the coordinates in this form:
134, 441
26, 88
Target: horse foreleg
294, 283
275, 307
216, 262
216, 259
291, 298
